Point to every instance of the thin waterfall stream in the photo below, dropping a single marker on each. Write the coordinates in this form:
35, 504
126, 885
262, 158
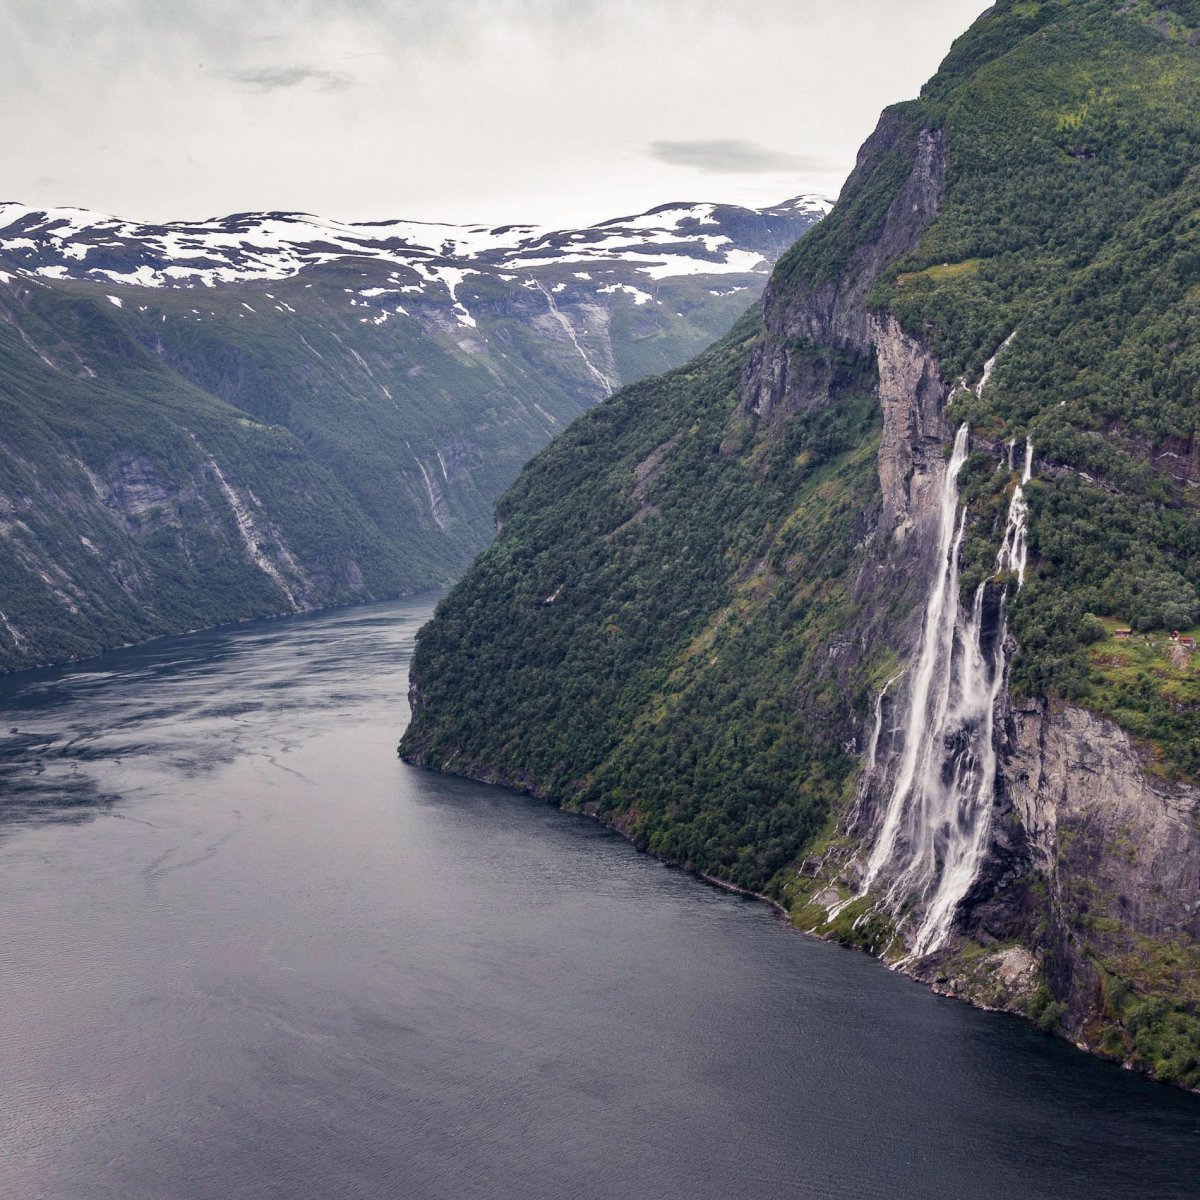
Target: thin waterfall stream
936, 822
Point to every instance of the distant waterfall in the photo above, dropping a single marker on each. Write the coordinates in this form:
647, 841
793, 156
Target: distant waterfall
935, 827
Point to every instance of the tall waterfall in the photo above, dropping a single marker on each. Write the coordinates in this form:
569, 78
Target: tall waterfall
935, 826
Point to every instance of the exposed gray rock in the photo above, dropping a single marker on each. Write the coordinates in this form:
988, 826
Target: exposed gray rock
1090, 809
833, 313
912, 396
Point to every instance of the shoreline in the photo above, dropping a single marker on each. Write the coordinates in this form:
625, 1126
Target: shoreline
786, 918
8, 674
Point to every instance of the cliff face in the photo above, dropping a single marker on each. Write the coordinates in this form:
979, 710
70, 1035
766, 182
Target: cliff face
831, 311
1028, 854
1117, 851
829, 614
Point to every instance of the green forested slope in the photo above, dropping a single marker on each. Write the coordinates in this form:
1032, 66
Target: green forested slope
685, 681
633, 639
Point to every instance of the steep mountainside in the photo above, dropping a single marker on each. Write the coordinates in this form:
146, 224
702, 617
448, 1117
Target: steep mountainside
201, 422
870, 607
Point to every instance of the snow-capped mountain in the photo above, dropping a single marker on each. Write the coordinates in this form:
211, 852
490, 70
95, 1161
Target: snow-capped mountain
668, 241
202, 421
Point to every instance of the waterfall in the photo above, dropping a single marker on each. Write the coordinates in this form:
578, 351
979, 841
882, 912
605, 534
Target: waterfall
937, 636
936, 822
990, 365
1013, 549
877, 727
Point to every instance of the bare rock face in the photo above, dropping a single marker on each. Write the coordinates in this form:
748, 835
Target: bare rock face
1118, 847
1005, 980
912, 396
134, 492
1090, 807
832, 313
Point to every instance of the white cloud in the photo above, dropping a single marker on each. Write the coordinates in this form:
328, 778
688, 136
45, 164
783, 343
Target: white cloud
499, 110
734, 156
268, 79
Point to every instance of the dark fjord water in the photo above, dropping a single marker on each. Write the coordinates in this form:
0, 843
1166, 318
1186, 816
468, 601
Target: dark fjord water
245, 952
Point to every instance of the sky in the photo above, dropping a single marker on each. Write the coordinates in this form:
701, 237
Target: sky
558, 112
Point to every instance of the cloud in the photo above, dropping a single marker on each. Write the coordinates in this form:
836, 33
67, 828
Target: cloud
271, 79
732, 156
281, 104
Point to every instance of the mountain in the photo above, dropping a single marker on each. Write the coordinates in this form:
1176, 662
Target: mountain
207, 421
880, 607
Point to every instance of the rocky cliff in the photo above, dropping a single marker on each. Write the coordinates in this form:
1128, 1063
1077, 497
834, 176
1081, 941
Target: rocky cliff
875, 607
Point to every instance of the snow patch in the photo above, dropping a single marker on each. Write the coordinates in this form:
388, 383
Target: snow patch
58, 243
639, 297
741, 262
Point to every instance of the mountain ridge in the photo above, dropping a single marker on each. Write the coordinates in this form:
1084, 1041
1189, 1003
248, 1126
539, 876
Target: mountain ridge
254, 247
320, 428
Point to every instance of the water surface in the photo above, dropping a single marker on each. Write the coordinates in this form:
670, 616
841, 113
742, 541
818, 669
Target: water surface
246, 952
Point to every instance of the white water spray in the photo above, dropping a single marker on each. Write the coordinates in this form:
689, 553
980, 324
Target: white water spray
990, 365
868, 777
877, 727
1014, 550
935, 827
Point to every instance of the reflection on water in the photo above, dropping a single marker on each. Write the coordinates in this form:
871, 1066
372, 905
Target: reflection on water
246, 952
184, 706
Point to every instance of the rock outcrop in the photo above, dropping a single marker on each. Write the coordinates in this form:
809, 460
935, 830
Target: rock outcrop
1117, 847
803, 313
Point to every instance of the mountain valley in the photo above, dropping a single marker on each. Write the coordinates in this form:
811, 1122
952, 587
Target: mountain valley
208, 421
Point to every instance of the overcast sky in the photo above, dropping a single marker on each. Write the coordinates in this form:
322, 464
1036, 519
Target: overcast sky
552, 111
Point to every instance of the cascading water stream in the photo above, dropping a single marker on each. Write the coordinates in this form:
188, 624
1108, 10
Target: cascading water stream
1014, 552
868, 774
937, 637
990, 365
935, 826
877, 727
